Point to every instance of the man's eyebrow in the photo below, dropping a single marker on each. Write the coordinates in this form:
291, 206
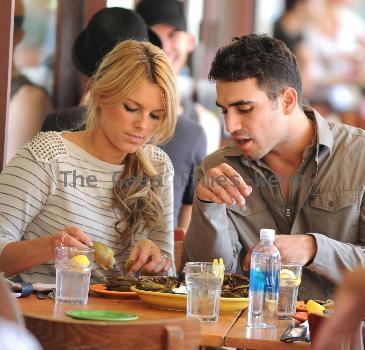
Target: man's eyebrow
236, 103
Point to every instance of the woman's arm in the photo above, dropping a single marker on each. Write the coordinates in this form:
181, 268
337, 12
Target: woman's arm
20, 256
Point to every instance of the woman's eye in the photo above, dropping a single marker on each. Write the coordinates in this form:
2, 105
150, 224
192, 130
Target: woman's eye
129, 109
155, 117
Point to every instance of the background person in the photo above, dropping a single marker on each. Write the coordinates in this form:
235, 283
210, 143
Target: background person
29, 103
342, 328
288, 169
189, 146
107, 183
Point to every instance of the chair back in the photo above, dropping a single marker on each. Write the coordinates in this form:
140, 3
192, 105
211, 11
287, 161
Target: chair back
168, 334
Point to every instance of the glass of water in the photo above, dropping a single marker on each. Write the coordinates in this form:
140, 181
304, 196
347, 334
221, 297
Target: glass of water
204, 284
290, 278
73, 270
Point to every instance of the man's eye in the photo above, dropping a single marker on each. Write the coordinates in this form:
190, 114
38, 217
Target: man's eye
129, 109
223, 111
245, 110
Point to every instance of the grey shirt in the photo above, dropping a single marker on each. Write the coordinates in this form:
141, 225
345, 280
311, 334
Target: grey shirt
329, 203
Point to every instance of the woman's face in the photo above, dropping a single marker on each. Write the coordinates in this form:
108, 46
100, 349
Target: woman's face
128, 125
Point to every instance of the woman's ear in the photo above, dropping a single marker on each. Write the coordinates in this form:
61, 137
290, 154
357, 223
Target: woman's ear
288, 100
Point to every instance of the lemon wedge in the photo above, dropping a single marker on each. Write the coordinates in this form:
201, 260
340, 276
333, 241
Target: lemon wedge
218, 268
79, 261
285, 273
314, 308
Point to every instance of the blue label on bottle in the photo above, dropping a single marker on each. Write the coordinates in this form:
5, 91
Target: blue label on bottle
264, 281
257, 280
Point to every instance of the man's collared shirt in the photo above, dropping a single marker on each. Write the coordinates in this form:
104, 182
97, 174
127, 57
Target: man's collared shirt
326, 200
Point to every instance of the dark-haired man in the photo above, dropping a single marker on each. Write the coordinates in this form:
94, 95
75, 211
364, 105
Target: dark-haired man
288, 169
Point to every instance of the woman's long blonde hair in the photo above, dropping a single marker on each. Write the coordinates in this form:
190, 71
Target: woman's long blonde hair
130, 64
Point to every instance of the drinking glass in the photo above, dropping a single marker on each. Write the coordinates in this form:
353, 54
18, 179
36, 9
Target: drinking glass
203, 283
290, 278
73, 270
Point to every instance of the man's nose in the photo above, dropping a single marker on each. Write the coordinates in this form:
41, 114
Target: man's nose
233, 122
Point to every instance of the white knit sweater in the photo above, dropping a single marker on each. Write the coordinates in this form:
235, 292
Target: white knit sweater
52, 183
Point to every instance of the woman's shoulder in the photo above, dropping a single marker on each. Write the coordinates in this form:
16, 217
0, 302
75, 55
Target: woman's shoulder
47, 146
158, 157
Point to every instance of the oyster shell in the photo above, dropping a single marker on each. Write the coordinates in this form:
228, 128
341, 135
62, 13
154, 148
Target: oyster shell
157, 283
104, 255
120, 283
234, 286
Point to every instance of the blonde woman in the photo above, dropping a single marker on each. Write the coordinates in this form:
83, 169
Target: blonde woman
108, 183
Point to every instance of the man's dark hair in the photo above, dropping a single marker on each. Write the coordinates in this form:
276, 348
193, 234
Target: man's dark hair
262, 57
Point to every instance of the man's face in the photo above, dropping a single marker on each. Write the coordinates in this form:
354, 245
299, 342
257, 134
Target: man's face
256, 123
177, 44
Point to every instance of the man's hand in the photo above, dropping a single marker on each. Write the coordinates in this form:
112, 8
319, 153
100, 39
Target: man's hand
223, 184
295, 249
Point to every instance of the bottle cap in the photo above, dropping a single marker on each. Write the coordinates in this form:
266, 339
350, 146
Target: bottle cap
266, 233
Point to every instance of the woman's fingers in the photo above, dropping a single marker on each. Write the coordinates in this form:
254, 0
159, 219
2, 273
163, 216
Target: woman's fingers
73, 237
148, 256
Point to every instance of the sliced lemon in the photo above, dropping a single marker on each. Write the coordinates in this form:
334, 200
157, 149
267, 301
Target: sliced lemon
285, 273
79, 261
314, 308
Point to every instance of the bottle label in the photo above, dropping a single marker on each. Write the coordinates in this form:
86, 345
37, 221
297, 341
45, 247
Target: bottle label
264, 281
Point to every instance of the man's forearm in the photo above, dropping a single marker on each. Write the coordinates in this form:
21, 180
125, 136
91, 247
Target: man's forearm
209, 236
20, 256
333, 258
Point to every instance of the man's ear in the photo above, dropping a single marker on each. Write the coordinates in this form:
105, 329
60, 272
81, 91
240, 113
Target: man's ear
288, 100
190, 42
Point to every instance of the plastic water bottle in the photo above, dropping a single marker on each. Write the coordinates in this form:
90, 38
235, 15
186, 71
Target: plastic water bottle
264, 282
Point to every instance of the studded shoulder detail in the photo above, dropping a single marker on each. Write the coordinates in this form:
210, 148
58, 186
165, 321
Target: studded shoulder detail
46, 146
157, 155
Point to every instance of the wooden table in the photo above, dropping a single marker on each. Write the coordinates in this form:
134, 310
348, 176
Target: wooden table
213, 334
241, 336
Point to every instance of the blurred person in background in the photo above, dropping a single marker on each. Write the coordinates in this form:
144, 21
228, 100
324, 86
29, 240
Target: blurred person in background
13, 333
343, 330
29, 103
336, 40
167, 18
187, 147
290, 28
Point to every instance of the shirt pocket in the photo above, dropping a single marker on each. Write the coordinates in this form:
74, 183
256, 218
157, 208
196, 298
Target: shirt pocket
335, 213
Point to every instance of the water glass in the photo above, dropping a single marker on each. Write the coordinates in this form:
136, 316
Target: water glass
204, 284
290, 278
73, 270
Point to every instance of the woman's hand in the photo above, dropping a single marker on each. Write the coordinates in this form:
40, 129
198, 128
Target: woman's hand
148, 256
72, 237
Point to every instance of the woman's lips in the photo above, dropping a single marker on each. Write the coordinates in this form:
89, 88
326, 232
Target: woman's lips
135, 138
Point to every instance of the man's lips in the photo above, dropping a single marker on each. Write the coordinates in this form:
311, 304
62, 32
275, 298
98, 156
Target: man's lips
241, 140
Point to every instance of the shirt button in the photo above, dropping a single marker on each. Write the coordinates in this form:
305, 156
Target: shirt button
302, 289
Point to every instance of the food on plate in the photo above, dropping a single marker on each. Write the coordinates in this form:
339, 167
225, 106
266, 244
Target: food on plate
120, 283
314, 308
104, 255
157, 283
234, 286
